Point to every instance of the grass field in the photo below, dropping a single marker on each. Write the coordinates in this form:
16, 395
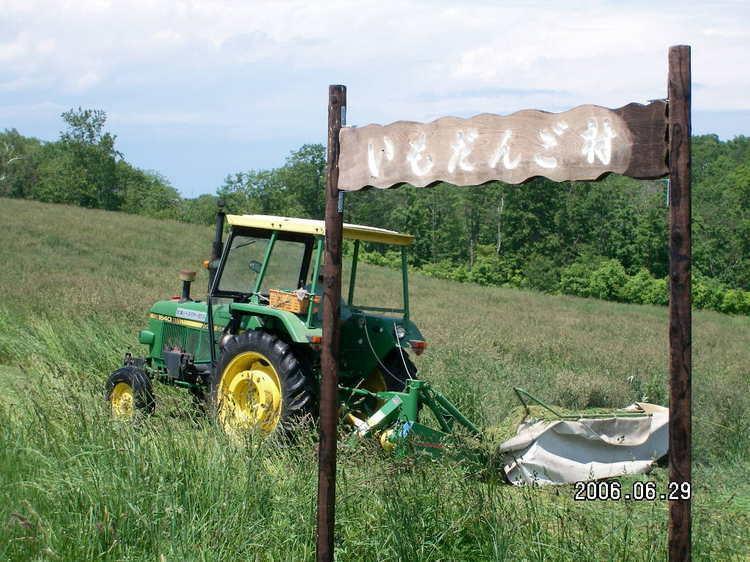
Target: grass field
75, 485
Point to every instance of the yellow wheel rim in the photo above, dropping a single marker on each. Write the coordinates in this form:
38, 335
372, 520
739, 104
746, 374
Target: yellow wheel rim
122, 401
385, 440
375, 382
249, 395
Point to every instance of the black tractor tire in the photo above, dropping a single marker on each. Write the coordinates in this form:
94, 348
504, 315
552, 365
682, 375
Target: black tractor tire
397, 370
134, 382
392, 375
294, 374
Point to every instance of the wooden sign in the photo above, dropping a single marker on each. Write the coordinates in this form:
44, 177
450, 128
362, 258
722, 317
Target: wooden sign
581, 144
585, 143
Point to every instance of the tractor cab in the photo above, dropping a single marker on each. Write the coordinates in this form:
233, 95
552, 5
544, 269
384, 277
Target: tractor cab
270, 275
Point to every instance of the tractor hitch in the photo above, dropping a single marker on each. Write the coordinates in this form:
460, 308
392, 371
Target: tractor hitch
397, 420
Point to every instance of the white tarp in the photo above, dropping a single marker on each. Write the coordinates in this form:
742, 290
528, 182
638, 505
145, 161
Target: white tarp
567, 451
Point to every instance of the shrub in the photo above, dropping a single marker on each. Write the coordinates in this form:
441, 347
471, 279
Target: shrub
707, 292
490, 270
608, 280
460, 273
541, 273
735, 301
588, 276
574, 279
443, 269
641, 288
390, 258
637, 287
658, 293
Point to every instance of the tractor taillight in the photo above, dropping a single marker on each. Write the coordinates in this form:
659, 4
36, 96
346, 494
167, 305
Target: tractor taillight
314, 340
418, 346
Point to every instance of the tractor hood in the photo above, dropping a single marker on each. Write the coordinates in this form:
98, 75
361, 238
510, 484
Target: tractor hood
183, 326
192, 314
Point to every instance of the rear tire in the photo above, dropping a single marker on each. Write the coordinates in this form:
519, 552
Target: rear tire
397, 370
128, 391
261, 384
392, 375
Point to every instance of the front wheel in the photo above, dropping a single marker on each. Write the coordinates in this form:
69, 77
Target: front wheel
260, 384
128, 390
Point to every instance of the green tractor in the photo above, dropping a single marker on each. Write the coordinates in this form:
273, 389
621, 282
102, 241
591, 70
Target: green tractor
251, 351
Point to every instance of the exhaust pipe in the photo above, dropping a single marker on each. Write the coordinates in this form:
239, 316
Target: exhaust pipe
187, 277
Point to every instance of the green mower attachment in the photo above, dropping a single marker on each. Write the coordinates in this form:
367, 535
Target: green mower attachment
549, 446
397, 420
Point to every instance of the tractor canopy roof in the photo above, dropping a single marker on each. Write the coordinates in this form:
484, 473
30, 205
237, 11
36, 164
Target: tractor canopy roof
317, 227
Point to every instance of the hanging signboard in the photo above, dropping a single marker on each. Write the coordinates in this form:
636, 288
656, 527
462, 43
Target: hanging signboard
581, 144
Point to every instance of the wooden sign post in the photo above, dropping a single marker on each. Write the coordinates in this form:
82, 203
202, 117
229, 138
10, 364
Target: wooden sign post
329, 354
585, 143
680, 302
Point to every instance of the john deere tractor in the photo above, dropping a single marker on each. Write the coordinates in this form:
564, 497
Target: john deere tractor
250, 351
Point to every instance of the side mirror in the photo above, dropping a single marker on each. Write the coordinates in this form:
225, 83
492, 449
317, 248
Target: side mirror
255, 266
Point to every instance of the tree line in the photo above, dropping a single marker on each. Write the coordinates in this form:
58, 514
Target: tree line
84, 168
604, 239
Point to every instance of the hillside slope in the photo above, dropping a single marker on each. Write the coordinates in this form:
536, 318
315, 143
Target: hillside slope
74, 289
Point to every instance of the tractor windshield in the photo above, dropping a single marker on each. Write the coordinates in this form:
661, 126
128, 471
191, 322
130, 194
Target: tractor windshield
277, 264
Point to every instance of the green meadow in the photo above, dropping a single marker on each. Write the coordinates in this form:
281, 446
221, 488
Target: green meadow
75, 287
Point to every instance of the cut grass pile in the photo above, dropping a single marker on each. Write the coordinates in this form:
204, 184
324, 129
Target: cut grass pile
75, 485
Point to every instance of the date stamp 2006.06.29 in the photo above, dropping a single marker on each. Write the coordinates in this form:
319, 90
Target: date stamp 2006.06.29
614, 490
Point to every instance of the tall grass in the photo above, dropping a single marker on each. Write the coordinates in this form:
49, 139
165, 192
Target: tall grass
77, 485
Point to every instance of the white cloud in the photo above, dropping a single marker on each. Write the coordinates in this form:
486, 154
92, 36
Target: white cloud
609, 51
259, 69
84, 82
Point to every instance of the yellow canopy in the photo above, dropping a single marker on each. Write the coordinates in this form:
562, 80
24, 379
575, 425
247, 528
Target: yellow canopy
309, 226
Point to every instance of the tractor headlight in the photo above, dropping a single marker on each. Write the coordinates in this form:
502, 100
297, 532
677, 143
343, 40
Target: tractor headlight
400, 332
146, 337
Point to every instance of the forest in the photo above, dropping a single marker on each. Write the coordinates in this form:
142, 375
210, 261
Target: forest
605, 240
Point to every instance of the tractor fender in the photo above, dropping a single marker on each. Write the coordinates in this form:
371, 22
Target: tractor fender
296, 329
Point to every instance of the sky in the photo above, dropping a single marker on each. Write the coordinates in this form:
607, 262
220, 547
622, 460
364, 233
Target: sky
197, 90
